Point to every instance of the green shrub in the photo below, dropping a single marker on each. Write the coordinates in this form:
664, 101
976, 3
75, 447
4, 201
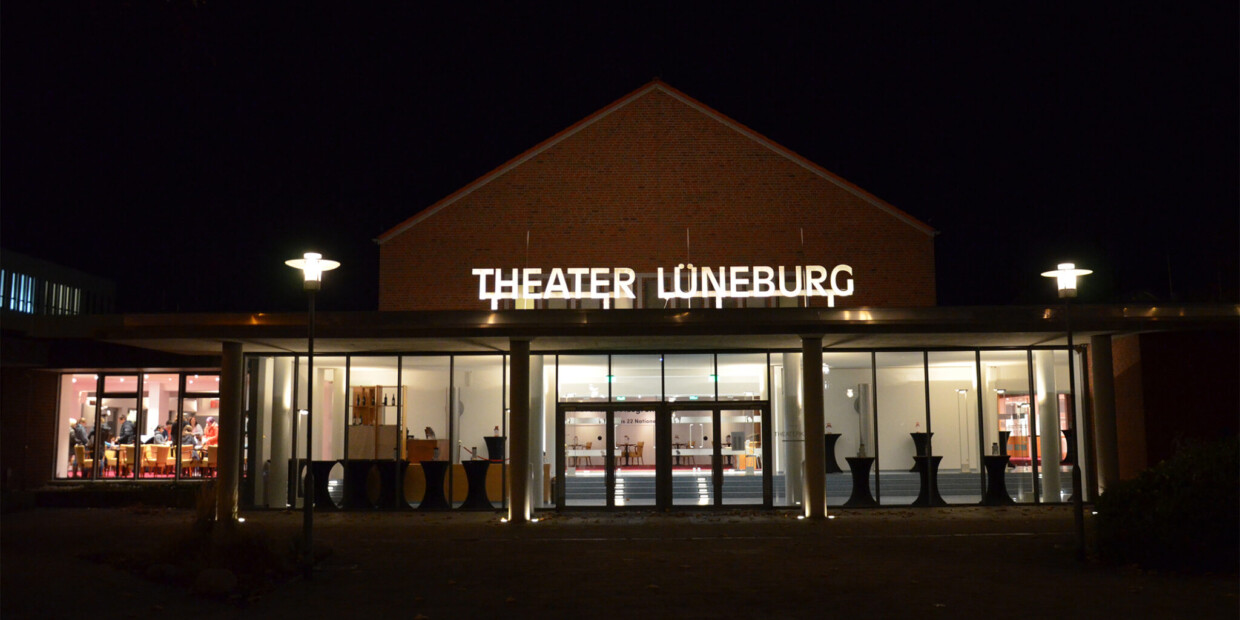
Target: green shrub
1182, 514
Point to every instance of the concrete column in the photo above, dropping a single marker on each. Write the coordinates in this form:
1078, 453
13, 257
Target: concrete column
232, 395
1048, 424
280, 409
519, 426
815, 447
538, 416
1102, 372
793, 437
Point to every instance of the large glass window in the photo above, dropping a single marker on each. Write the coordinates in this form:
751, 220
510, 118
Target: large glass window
742, 376
584, 378
636, 378
953, 419
1058, 444
849, 419
479, 382
426, 383
1006, 418
374, 402
75, 448
901, 411
689, 377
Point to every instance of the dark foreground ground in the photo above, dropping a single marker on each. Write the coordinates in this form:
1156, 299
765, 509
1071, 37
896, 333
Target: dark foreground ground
891, 563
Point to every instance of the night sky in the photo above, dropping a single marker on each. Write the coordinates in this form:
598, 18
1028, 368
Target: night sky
185, 151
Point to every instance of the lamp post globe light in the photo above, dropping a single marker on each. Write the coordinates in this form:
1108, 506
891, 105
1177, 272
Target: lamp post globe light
312, 266
1066, 276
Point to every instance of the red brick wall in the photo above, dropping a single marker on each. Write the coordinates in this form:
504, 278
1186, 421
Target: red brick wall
1190, 389
28, 417
1129, 405
1173, 387
622, 191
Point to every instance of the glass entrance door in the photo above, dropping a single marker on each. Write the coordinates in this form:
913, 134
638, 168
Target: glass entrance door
694, 472
744, 477
661, 455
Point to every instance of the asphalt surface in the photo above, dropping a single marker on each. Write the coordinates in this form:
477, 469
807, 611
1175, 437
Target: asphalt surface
887, 563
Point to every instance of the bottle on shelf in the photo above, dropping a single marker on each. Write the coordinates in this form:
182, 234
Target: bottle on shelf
385, 400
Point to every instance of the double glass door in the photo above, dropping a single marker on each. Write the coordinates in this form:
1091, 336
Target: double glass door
662, 455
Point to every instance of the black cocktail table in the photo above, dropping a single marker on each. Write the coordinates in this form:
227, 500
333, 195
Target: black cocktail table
919, 444
476, 476
433, 498
996, 483
928, 468
829, 439
860, 497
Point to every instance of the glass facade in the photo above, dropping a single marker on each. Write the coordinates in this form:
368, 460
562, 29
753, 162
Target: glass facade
676, 429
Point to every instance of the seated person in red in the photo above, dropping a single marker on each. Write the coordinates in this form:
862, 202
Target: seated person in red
211, 434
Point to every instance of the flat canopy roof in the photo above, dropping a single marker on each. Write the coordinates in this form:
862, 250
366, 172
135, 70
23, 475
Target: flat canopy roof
620, 330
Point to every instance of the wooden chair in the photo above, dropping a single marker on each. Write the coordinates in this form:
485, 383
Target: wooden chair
85, 465
127, 460
589, 461
154, 458
212, 459
636, 454
188, 462
109, 462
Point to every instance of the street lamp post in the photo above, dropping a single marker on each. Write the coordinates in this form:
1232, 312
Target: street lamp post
312, 267
1066, 276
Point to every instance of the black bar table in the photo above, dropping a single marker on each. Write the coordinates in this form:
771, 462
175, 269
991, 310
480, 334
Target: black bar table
829, 439
495, 448
1069, 457
928, 475
996, 483
476, 475
432, 497
919, 442
860, 497
322, 476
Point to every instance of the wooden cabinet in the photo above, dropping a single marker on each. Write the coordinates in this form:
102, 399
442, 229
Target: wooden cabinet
377, 430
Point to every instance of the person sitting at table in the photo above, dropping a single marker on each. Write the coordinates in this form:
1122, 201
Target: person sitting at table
211, 434
188, 439
160, 437
129, 430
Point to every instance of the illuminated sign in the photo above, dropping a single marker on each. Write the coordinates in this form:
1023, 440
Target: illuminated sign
685, 282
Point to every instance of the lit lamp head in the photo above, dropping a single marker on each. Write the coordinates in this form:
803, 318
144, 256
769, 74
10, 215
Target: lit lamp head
1065, 278
312, 266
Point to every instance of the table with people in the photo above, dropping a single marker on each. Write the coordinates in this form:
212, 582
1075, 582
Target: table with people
118, 456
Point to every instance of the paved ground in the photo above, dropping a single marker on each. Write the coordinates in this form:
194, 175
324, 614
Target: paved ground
933, 563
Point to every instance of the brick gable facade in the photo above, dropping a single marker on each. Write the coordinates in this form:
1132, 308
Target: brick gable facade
620, 189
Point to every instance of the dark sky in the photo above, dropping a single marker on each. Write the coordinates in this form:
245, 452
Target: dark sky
184, 151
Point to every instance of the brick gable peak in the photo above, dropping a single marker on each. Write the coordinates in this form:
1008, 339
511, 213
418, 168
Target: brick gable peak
655, 85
